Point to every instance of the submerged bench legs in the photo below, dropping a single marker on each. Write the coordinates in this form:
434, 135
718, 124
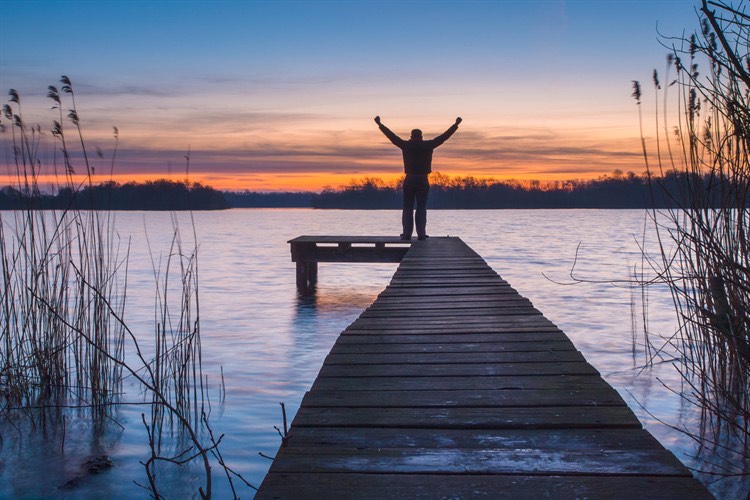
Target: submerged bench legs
307, 275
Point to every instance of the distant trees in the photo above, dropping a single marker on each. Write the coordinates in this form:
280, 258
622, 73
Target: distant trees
150, 195
619, 190
252, 199
367, 193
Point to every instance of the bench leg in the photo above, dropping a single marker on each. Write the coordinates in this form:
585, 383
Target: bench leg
307, 275
312, 272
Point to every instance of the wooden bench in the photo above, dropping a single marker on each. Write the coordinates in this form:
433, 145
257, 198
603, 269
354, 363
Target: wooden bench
307, 251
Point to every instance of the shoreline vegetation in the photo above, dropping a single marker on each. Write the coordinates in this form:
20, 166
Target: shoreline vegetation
613, 191
67, 349
703, 132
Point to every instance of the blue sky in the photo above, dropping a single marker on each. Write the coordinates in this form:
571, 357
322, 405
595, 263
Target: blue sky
282, 94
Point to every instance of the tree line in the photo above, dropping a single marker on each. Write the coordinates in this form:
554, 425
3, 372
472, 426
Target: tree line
618, 190
255, 199
150, 195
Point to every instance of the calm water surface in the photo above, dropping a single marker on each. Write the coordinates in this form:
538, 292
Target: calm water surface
271, 343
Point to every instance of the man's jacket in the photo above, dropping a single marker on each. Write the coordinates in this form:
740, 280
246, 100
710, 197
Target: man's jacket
417, 154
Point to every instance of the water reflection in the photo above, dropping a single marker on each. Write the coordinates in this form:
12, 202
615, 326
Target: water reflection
317, 309
330, 300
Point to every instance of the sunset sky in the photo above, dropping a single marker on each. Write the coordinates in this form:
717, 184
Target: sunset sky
281, 95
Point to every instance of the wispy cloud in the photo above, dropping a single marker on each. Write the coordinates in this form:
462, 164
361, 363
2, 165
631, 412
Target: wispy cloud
537, 153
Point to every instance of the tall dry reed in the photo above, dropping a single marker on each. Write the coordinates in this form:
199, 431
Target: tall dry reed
63, 334
61, 345
701, 163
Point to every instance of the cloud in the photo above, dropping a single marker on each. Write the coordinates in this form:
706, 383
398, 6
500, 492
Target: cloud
92, 91
536, 153
247, 145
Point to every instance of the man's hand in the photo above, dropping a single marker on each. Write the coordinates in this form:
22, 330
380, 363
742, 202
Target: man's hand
377, 120
458, 120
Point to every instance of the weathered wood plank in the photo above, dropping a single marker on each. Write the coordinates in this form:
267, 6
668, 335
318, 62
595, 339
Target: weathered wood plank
466, 383
532, 336
480, 305
450, 276
483, 320
509, 317
363, 359
547, 439
464, 282
484, 314
470, 306
488, 460
328, 239
415, 298
480, 272
455, 330
303, 486
568, 417
530, 321
468, 290
476, 398
484, 300
475, 347
457, 370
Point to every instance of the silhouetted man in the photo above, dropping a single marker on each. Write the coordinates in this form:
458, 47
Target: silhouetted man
417, 165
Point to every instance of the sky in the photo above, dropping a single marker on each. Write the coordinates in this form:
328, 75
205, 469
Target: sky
281, 95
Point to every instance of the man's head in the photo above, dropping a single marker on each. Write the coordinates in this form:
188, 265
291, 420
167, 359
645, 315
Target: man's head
416, 135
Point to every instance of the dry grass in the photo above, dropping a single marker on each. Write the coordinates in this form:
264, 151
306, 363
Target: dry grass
703, 141
64, 341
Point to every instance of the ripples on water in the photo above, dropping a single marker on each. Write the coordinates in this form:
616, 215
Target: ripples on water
271, 342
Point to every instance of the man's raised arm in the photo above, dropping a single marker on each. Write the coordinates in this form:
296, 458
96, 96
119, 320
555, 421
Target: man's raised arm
437, 141
390, 135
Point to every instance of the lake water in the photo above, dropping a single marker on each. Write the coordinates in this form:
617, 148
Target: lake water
270, 342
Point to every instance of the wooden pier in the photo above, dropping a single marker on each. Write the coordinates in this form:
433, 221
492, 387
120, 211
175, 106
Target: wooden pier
452, 385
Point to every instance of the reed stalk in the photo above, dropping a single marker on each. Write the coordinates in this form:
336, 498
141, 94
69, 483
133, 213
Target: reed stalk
701, 164
63, 334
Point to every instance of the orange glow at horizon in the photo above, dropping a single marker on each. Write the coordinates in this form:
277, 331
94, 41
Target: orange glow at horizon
307, 181
310, 154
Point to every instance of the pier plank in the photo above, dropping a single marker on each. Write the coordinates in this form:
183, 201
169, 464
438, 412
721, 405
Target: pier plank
478, 398
458, 301
550, 417
466, 383
547, 439
455, 329
467, 306
293, 486
652, 462
531, 318
454, 347
452, 291
458, 314
453, 385
457, 370
349, 337
418, 358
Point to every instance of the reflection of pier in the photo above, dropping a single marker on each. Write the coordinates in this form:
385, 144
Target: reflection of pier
452, 385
